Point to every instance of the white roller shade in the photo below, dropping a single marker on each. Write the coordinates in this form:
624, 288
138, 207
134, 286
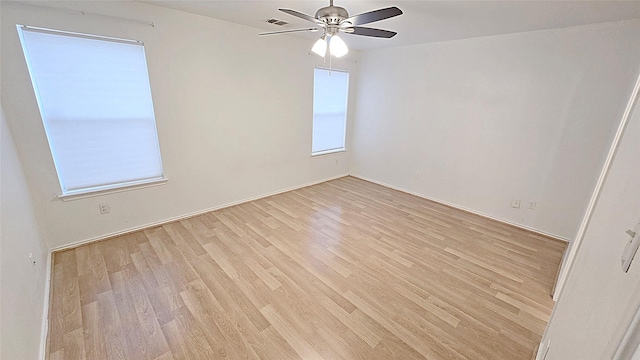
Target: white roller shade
95, 101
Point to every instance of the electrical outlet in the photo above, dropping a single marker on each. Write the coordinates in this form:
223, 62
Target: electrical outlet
515, 203
32, 261
532, 205
104, 208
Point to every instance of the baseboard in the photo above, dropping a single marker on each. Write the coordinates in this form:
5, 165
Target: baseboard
189, 215
541, 350
534, 356
520, 226
45, 311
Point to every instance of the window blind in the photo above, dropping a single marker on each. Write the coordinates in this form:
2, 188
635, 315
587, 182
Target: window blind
95, 101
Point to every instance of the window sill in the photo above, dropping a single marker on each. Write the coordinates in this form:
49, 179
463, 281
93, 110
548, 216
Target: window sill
111, 189
326, 152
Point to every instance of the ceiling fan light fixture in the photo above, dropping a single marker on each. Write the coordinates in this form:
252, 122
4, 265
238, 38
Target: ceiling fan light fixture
337, 46
333, 19
320, 47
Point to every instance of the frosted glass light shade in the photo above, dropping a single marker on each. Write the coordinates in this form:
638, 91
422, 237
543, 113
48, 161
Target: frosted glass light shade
337, 46
320, 47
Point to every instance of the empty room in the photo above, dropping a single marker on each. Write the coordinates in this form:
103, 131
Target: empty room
320, 180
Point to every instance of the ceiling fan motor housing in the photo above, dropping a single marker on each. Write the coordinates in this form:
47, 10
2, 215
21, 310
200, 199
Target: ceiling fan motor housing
332, 15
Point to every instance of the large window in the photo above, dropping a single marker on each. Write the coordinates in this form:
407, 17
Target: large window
95, 102
330, 89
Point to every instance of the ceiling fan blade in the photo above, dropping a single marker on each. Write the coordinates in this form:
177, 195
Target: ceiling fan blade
365, 31
301, 15
289, 31
372, 16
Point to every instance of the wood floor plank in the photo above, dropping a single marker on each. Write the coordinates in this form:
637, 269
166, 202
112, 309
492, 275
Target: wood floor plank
146, 316
194, 338
114, 339
116, 253
136, 342
278, 347
299, 344
412, 339
175, 339
345, 269
74, 348
224, 338
94, 336
56, 320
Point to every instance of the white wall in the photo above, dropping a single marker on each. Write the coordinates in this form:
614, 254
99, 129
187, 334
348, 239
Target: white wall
22, 290
484, 120
233, 111
597, 292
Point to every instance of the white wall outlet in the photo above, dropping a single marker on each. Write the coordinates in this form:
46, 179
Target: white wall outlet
515, 203
104, 208
532, 205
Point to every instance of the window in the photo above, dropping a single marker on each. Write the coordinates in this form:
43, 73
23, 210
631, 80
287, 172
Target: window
330, 89
95, 103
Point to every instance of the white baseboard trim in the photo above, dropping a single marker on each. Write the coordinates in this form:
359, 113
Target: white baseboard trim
524, 227
45, 311
542, 350
189, 215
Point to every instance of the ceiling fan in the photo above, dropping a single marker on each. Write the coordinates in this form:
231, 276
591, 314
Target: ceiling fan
334, 19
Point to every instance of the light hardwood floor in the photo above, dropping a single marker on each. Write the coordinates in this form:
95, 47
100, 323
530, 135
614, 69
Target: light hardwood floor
341, 270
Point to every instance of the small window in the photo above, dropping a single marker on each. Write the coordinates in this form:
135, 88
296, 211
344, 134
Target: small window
330, 89
95, 102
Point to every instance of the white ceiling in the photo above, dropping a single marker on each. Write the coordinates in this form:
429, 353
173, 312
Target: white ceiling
422, 21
